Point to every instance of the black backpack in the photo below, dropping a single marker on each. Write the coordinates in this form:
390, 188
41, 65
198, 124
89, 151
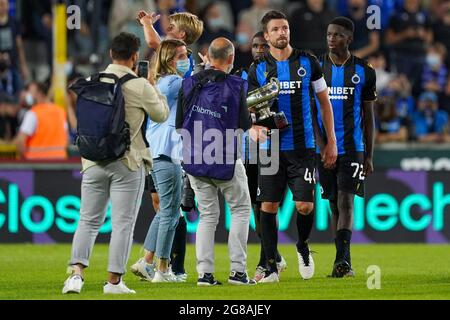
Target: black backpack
102, 133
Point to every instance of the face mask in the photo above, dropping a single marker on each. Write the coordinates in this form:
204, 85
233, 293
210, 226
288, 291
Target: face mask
433, 60
183, 66
29, 100
215, 23
242, 38
69, 68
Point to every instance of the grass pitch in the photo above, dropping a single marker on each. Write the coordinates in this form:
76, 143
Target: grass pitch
407, 272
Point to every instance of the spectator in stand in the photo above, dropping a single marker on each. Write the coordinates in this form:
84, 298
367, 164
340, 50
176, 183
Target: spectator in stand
214, 25
123, 18
387, 8
430, 123
309, 26
236, 6
441, 27
10, 82
8, 118
43, 134
38, 23
434, 77
243, 58
165, 8
365, 41
390, 127
378, 62
408, 36
254, 14
11, 42
400, 88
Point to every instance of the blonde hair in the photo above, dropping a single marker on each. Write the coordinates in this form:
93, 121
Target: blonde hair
190, 24
164, 55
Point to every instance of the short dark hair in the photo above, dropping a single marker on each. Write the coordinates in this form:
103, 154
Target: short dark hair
124, 46
271, 15
42, 87
259, 34
344, 22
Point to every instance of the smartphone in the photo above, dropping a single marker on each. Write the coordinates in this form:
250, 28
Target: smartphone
142, 69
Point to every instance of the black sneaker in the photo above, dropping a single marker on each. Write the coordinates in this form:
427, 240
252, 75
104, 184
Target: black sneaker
340, 269
240, 279
207, 280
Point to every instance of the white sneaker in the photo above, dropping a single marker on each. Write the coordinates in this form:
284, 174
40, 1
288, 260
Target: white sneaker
161, 277
182, 277
143, 270
73, 284
119, 288
282, 265
306, 268
271, 278
259, 273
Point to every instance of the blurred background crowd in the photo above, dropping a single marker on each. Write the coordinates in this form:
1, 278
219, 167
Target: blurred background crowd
410, 52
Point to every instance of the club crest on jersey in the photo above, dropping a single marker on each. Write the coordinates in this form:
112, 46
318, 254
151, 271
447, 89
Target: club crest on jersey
356, 79
301, 72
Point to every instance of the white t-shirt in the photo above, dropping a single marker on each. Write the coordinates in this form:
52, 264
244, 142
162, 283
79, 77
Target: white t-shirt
29, 123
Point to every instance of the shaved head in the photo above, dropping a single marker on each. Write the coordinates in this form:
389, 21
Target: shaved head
221, 49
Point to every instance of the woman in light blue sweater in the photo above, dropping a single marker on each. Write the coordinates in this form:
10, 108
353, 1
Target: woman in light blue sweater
165, 146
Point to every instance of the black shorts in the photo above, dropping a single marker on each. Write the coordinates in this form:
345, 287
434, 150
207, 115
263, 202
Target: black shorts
150, 184
297, 170
252, 177
347, 176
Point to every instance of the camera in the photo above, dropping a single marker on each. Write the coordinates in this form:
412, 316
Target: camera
187, 195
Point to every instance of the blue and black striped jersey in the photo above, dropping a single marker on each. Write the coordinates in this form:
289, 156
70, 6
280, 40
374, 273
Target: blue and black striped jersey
296, 76
349, 85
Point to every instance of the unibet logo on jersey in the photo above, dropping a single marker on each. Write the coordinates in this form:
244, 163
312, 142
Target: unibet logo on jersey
340, 93
289, 87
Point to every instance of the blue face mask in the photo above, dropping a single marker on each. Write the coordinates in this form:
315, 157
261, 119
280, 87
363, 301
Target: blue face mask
216, 23
242, 38
183, 66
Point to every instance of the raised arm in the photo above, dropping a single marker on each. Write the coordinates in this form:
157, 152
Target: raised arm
151, 36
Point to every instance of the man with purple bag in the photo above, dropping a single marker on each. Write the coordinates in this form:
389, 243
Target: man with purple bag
212, 108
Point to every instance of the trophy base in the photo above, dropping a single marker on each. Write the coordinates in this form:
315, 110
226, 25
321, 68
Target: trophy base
275, 121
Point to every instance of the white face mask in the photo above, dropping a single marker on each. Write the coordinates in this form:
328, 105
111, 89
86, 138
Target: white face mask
68, 68
29, 100
433, 59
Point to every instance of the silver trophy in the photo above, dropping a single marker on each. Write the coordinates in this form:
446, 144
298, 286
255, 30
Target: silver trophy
260, 100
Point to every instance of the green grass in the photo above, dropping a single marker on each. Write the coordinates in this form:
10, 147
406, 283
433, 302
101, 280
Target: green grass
407, 272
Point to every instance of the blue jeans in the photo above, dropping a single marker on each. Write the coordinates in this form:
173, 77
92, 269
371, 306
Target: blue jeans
167, 178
